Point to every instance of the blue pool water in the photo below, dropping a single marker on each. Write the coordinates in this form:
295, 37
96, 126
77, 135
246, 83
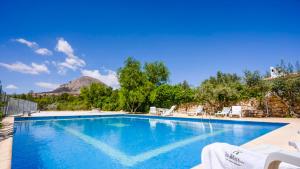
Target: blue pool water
123, 141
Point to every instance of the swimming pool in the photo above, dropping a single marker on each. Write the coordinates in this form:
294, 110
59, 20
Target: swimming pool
123, 141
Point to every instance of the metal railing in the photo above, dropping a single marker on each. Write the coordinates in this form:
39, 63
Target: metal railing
13, 106
19, 106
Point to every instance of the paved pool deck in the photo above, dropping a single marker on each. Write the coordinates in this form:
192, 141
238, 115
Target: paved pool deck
279, 137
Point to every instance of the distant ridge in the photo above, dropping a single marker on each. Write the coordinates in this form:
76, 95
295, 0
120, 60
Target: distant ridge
73, 87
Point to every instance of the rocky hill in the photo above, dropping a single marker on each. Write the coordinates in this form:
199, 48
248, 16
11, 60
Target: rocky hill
74, 86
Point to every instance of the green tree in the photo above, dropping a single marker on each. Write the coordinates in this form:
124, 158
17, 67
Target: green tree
163, 96
112, 102
135, 87
255, 87
184, 94
288, 89
96, 95
157, 73
222, 90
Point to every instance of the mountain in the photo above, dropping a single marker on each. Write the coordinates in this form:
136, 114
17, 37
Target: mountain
74, 86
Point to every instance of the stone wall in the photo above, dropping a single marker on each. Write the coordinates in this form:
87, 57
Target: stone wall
277, 107
271, 106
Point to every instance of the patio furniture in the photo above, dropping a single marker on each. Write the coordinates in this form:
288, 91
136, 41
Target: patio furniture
169, 112
153, 111
236, 111
224, 112
295, 144
226, 156
160, 111
199, 111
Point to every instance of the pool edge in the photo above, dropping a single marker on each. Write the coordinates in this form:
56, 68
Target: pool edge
6, 147
290, 123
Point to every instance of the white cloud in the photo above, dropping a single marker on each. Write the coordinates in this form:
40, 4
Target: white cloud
11, 86
47, 85
35, 47
64, 47
27, 43
110, 79
72, 61
43, 51
33, 69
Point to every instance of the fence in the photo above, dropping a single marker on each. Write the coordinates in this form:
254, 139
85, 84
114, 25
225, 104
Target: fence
19, 106
13, 106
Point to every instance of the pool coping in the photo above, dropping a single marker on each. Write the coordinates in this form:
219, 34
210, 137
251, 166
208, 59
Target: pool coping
285, 133
6, 147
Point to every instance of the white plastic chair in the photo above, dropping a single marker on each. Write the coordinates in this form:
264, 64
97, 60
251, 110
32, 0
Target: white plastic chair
236, 111
295, 144
169, 112
153, 110
274, 159
199, 111
224, 112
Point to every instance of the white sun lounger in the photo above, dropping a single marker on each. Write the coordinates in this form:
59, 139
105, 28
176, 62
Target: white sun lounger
169, 112
199, 111
226, 156
153, 111
224, 112
295, 144
236, 111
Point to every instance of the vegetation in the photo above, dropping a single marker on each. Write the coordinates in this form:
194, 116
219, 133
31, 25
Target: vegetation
288, 90
142, 86
167, 95
135, 85
222, 90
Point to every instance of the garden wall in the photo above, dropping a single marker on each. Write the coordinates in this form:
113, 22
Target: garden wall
271, 106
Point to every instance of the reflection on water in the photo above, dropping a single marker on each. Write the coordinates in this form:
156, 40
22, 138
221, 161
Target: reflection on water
169, 123
196, 126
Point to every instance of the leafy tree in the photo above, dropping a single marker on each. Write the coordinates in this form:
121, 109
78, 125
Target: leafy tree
282, 68
112, 102
157, 73
163, 96
166, 95
220, 91
254, 87
288, 89
145, 86
252, 78
135, 87
184, 94
96, 95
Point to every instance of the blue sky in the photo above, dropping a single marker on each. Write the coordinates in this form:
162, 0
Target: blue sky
47, 43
